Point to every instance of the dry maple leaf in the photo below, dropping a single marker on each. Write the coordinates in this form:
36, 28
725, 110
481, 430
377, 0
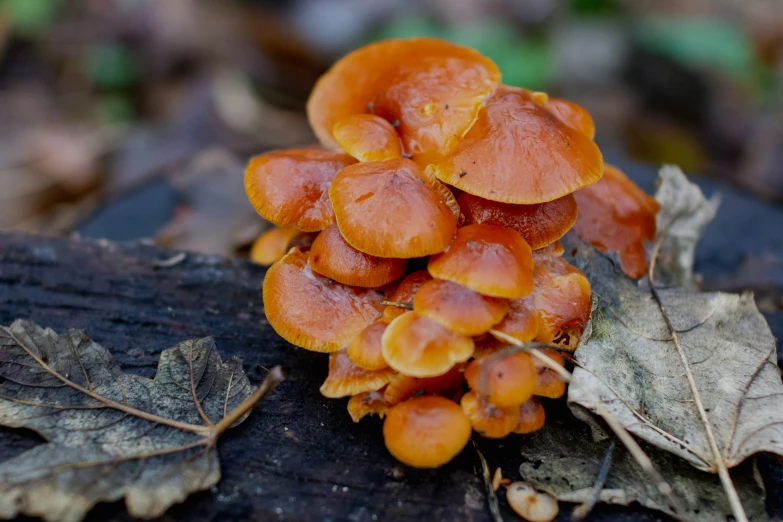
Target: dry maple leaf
113, 435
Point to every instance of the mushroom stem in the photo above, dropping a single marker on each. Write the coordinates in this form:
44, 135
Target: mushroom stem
272, 379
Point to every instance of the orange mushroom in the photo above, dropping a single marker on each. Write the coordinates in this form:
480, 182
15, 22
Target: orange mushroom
521, 320
505, 381
615, 214
458, 308
531, 416
572, 115
494, 261
367, 403
367, 137
345, 378
290, 187
386, 209
549, 384
553, 249
403, 387
489, 420
562, 300
333, 257
365, 349
540, 224
312, 311
272, 244
426, 432
413, 345
429, 89
519, 152
405, 292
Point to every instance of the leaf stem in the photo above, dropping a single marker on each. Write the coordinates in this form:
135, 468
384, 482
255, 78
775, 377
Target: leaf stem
272, 379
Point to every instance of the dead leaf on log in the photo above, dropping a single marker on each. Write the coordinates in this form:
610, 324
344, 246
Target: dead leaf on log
113, 435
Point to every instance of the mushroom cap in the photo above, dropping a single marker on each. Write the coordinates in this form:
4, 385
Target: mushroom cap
572, 115
504, 381
521, 320
490, 421
553, 249
367, 137
272, 244
530, 504
458, 308
386, 209
308, 310
403, 387
519, 152
431, 88
405, 292
345, 378
494, 261
413, 345
531, 416
549, 384
540, 224
426, 432
615, 214
367, 403
291, 187
365, 349
333, 257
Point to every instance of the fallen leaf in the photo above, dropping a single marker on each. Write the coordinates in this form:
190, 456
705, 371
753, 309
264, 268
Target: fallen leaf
113, 435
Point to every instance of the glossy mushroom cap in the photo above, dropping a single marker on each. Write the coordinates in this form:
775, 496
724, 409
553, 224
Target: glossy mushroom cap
562, 300
291, 187
413, 345
272, 245
521, 320
367, 403
367, 137
572, 115
386, 209
458, 308
531, 416
426, 432
365, 349
615, 214
490, 421
506, 381
490, 260
519, 152
430, 88
345, 378
311, 311
540, 224
549, 384
333, 257
405, 292
403, 387
530, 504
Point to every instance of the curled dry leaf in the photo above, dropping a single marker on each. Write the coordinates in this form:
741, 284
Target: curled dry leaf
113, 435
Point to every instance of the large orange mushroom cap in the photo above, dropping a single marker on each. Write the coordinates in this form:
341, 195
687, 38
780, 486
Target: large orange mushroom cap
291, 187
572, 115
386, 209
506, 381
426, 432
615, 214
345, 378
540, 224
367, 137
365, 349
519, 152
333, 257
562, 300
311, 311
531, 416
413, 345
494, 261
489, 420
458, 308
430, 88
403, 387
405, 292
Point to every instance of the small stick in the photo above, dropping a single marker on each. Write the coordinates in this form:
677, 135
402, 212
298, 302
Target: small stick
492, 498
581, 511
407, 306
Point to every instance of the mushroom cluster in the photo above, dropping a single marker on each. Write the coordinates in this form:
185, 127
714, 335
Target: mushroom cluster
423, 230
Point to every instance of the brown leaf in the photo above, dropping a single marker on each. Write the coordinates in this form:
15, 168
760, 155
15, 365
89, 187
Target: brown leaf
113, 435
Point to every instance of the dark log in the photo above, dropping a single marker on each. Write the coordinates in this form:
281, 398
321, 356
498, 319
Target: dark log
299, 456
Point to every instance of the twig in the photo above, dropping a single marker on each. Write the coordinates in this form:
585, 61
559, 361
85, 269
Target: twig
272, 379
492, 498
581, 511
720, 463
407, 306
172, 261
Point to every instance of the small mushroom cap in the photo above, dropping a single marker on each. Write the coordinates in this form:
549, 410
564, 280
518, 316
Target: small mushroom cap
333, 257
531, 416
504, 381
553, 249
490, 421
413, 345
272, 244
365, 349
540, 224
431, 88
549, 384
345, 378
494, 261
572, 115
521, 320
403, 387
386, 209
367, 403
458, 308
615, 214
367, 137
426, 432
519, 152
562, 299
291, 187
405, 292
308, 310
530, 504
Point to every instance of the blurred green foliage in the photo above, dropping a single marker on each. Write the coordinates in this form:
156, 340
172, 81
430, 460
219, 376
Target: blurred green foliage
30, 17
